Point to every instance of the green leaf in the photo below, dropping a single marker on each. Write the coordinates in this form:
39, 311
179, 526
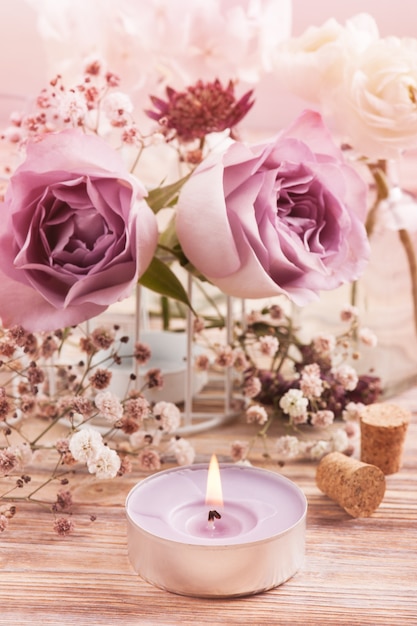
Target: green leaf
162, 197
161, 279
168, 237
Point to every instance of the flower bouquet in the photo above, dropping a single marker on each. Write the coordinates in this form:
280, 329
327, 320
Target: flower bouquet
82, 226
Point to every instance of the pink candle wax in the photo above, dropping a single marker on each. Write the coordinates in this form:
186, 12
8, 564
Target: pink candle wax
257, 543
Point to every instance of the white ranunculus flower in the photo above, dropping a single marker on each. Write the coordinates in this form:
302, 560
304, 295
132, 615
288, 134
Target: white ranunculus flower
376, 105
313, 63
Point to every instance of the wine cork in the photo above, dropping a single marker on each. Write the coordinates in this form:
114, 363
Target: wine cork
383, 430
357, 487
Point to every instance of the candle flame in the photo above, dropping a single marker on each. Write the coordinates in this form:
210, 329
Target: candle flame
214, 495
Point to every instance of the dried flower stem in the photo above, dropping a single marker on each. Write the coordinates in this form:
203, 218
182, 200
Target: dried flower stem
406, 241
47, 429
261, 434
137, 159
29, 498
382, 188
379, 173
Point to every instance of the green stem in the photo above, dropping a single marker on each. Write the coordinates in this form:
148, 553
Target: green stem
382, 188
15, 499
210, 300
261, 434
379, 174
165, 312
265, 429
287, 345
136, 160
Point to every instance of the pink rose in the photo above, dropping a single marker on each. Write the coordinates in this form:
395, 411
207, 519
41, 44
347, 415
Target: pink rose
75, 233
283, 217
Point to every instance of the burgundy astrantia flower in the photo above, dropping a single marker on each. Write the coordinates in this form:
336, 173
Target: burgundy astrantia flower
206, 107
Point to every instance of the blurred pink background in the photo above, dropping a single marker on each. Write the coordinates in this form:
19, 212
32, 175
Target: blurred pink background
394, 17
23, 69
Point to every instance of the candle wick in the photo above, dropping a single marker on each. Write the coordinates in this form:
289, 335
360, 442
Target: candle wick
213, 515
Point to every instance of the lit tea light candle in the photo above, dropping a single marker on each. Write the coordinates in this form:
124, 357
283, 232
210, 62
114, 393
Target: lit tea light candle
216, 532
214, 496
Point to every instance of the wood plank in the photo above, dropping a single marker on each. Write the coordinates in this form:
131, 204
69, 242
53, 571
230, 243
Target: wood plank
356, 571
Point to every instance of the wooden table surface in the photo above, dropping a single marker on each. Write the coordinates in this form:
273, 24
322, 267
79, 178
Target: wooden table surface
356, 571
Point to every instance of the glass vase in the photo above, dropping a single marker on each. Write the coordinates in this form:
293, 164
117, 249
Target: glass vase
206, 399
386, 295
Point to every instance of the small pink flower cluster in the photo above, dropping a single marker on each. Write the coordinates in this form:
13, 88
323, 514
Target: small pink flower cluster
58, 107
310, 385
95, 426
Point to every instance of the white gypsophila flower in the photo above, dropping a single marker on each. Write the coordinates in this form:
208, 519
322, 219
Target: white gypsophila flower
86, 444
168, 414
149, 460
139, 438
353, 411
72, 106
322, 418
240, 361
22, 452
106, 464
287, 447
238, 449
349, 313
13, 134
268, 345
76, 419
8, 462
368, 337
339, 440
202, 363
182, 450
224, 356
256, 414
300, 418
352, 429
346, 376
109, 406
116, 105
318, 449
252, 387
311, 369
311, 383
294, 403
142, 438
324, 344
253, 317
